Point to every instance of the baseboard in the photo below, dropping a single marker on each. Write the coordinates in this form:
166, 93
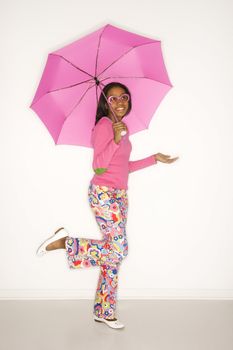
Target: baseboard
43, 294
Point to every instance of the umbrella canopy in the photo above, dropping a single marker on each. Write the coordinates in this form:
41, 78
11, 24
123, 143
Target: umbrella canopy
73, 78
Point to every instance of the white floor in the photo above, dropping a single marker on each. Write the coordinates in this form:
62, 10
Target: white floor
149, 324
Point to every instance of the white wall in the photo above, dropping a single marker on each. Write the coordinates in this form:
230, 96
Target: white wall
179, 224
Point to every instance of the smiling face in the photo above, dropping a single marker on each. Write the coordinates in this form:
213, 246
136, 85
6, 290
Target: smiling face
119, 107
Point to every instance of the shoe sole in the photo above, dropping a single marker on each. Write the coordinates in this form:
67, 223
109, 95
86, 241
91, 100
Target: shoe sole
41, 250
108, 324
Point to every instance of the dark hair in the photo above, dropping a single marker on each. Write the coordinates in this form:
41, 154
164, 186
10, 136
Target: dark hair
101, 109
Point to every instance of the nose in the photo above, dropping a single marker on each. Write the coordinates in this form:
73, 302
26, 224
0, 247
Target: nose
120, 104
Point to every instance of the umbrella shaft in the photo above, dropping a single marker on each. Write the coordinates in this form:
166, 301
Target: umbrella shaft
116, 120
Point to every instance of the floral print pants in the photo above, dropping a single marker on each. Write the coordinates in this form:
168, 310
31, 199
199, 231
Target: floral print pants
110, 207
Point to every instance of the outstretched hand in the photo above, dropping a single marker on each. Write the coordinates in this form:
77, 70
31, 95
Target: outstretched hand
164, 158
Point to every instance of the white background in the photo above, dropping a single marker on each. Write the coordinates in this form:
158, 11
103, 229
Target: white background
180, 214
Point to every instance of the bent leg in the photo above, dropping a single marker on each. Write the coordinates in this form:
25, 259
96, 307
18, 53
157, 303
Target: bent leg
84, 252
109, 207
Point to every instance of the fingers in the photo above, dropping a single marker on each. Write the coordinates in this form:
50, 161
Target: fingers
119, 126
171, 160
119, 129
118, 123
165, 158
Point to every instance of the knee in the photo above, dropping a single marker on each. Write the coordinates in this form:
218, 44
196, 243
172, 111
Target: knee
120, 250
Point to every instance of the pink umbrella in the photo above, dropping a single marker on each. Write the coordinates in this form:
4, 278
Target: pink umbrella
67, 96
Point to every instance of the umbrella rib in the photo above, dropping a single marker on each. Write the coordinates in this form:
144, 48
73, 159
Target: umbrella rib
72, 64
154, 42
70, 86
80, 100
138, 77
97, 54
47, 92
75, 106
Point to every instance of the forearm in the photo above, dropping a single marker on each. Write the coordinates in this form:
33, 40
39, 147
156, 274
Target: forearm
141, 163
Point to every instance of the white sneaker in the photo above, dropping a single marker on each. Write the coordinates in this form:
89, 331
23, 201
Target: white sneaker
60, 233
112, 324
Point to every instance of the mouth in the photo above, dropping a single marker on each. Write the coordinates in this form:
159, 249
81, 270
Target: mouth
120, 109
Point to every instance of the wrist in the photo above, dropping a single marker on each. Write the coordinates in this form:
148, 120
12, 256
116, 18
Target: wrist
117, 141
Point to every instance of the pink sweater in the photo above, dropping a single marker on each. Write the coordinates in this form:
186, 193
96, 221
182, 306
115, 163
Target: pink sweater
111, 162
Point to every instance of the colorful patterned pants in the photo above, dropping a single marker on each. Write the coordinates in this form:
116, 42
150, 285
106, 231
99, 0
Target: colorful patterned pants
110, 207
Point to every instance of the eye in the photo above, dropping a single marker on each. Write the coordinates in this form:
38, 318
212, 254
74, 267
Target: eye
124, 97
112, 99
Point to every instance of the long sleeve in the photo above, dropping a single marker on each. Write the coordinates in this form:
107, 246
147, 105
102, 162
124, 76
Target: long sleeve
104, 147
141, 163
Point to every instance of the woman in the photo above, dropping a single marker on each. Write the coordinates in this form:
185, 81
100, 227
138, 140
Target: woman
108, 199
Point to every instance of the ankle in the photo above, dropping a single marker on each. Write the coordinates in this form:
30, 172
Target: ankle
62, 242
